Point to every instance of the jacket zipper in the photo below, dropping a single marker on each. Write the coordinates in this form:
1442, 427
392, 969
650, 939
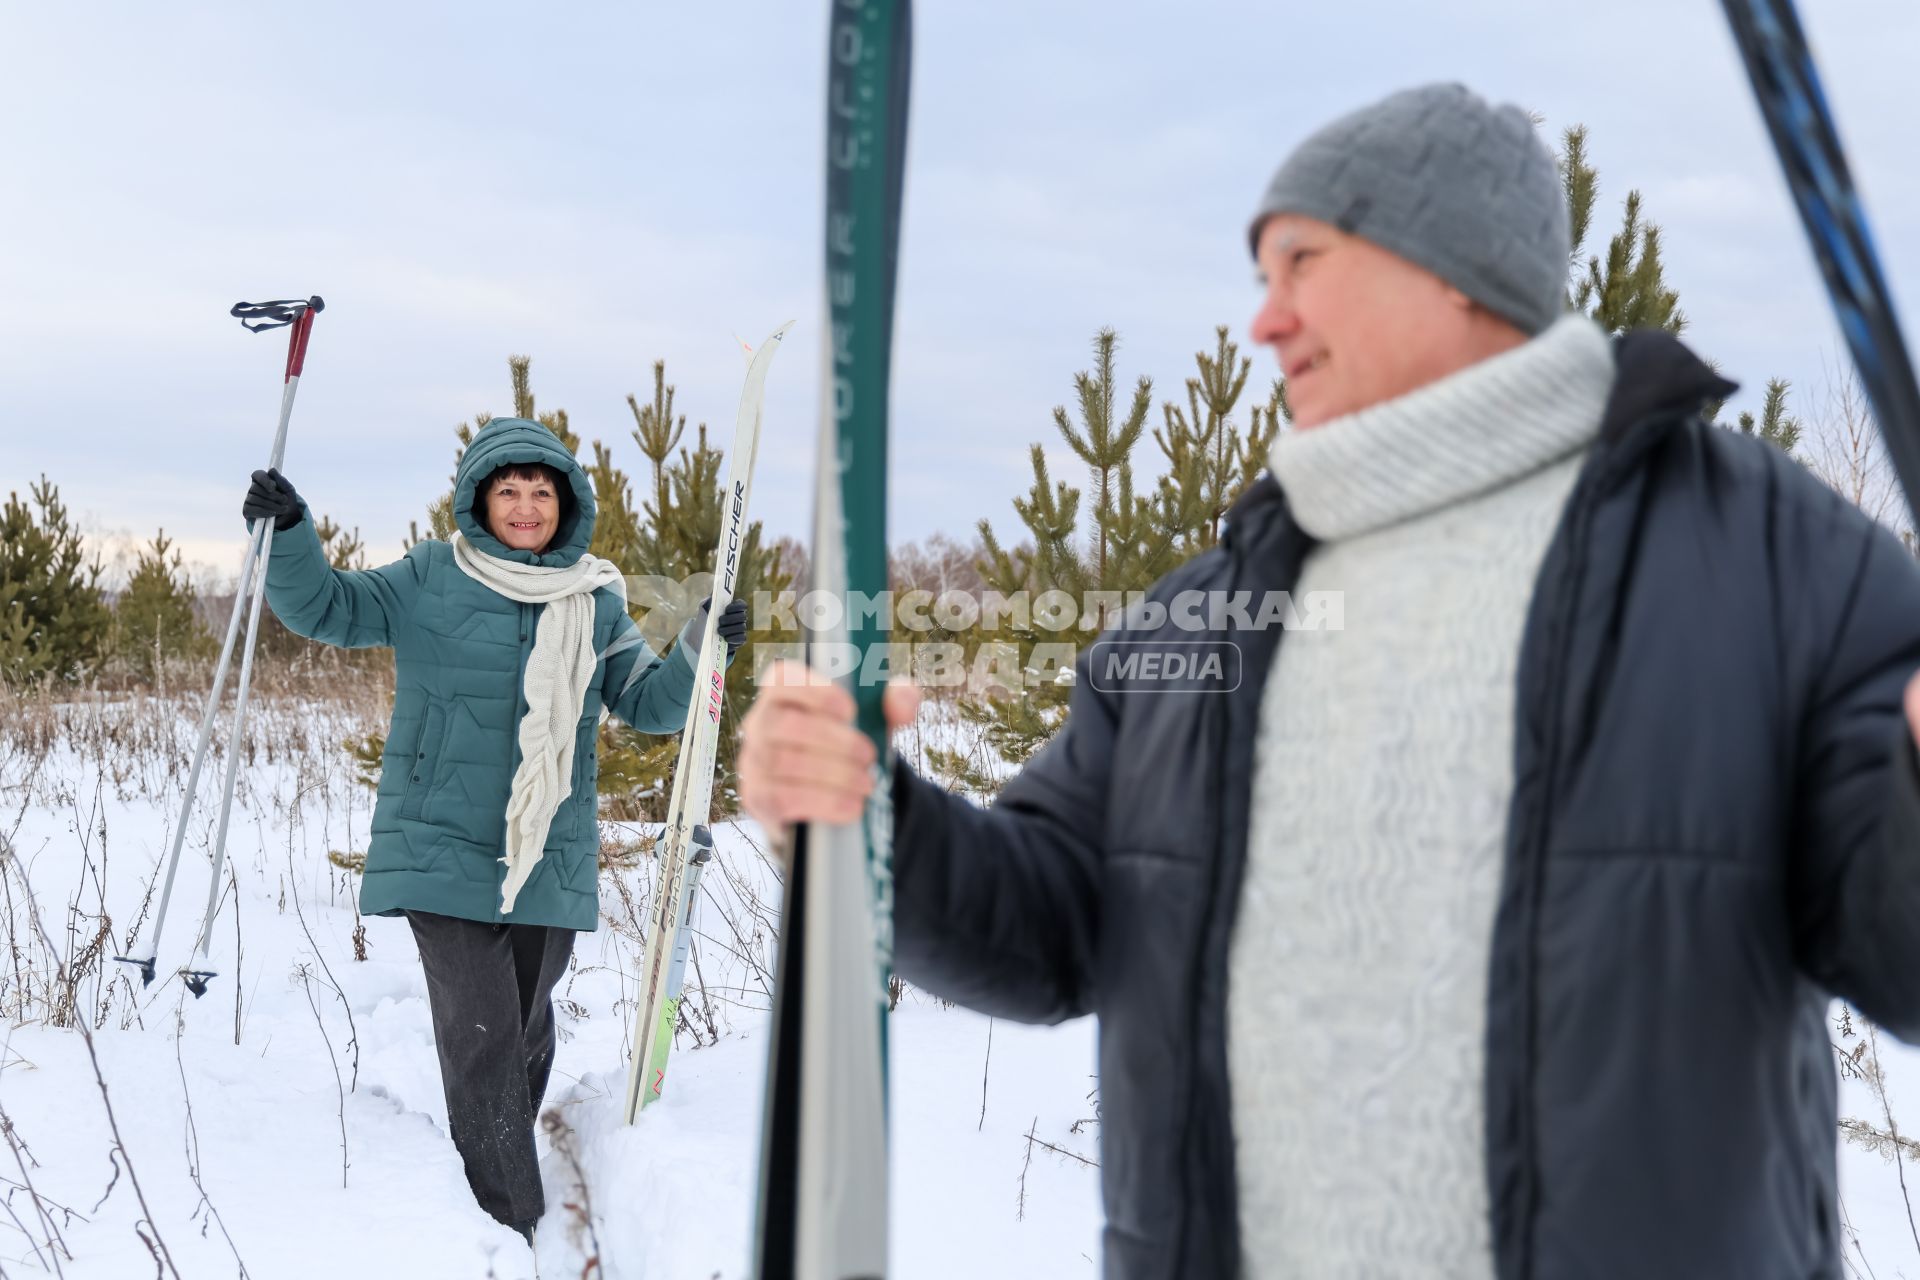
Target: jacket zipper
1223, 743
1600, 480
527, 623
1532, 869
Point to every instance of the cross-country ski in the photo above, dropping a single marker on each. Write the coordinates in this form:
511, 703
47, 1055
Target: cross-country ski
823, 1164
684, 846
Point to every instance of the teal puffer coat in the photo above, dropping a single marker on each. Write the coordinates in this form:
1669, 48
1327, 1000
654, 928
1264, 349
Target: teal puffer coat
459, 652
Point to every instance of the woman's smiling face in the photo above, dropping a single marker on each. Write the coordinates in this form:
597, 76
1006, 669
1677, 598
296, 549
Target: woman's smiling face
523, 507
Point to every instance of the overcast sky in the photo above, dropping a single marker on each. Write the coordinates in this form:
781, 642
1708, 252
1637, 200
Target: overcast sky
600, 186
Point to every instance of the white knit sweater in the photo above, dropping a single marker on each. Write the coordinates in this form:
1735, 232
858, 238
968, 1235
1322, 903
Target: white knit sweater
1383, 775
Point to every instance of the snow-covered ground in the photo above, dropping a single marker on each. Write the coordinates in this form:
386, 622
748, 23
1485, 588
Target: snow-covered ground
319, 1137
280, 1128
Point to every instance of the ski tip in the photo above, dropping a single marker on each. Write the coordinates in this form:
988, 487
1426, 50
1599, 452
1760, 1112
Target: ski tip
781, 332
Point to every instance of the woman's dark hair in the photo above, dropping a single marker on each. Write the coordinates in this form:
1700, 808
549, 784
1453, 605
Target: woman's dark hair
528, 473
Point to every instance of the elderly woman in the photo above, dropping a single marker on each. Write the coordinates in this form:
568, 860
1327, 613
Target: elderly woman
508, 641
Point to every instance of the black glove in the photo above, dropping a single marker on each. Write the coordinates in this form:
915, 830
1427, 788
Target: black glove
733, 622
270, 497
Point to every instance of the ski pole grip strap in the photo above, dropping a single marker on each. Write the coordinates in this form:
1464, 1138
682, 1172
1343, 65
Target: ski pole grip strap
255, 317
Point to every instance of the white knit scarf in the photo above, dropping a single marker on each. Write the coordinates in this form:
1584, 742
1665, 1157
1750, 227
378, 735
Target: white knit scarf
558, 671
1473, 431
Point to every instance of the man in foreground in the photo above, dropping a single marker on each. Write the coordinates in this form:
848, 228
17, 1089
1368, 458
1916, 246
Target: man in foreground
1492, 934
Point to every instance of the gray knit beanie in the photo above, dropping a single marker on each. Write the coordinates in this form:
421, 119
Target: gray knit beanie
1449, 182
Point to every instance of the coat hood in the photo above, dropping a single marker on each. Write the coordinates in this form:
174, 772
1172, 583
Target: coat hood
506, 440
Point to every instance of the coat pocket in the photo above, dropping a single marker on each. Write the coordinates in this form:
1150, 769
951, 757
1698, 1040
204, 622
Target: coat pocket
583, 801
426, 753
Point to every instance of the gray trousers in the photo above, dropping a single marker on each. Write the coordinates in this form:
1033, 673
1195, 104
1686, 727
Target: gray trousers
490, 988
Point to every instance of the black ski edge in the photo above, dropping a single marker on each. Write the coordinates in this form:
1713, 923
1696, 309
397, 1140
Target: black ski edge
779, 1216
1788, 91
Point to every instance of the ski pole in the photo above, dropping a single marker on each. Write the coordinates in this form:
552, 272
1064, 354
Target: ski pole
255, 317
1787, 88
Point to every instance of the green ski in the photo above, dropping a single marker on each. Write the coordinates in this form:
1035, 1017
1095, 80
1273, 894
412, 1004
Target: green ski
823, 1175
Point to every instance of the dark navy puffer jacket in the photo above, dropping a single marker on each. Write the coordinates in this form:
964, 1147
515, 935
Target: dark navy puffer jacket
1715, 828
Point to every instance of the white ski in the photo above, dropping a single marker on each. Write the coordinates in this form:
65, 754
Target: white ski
692, 796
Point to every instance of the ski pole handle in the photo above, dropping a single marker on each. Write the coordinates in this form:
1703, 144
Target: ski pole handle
297, 342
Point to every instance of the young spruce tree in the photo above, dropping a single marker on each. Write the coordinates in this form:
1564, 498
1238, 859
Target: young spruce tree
156, 622
673, 540
1130, 540
54, 620
1628, 289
